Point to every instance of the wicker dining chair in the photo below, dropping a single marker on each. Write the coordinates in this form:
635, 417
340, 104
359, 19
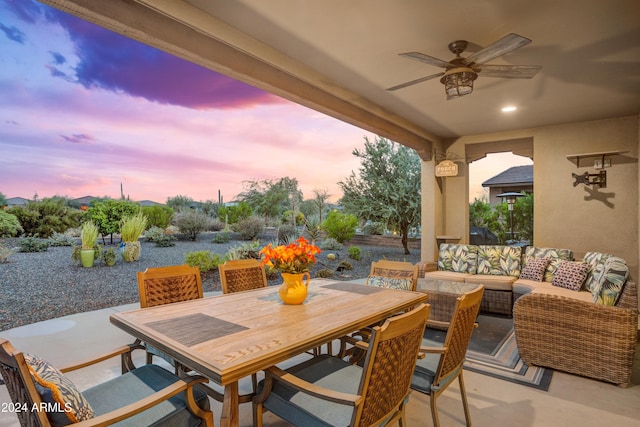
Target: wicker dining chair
34, 383
327, 390
242, 275
440, 364
393, 274
166, 285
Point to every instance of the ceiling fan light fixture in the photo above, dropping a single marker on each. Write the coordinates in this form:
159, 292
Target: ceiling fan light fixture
458, 81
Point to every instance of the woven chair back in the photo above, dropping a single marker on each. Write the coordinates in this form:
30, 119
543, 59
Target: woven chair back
396, 270
165, 285
459, 333
242, 275
20, 385
389, 365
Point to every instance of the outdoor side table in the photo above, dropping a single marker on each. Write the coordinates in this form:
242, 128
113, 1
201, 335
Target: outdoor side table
442, 298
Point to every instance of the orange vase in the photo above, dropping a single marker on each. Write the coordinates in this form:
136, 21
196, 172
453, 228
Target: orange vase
294, 287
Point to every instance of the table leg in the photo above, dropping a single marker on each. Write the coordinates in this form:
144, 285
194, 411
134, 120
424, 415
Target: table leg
230, 406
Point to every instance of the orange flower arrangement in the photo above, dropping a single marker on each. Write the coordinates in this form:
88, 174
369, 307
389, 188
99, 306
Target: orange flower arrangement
293, 258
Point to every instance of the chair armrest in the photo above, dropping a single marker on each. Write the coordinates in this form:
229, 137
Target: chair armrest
171, 390
425, 267
124, 351
307, 387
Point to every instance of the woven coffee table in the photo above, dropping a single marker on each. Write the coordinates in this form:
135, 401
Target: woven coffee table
442, 298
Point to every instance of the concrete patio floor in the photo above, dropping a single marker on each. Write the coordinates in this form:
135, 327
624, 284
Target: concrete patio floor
570, 401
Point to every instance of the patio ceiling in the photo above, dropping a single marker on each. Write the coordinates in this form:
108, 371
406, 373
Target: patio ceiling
340, 56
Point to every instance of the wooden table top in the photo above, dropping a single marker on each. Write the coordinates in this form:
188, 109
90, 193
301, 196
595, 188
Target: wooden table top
228, 337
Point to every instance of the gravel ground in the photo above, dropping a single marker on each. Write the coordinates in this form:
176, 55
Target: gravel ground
45, 285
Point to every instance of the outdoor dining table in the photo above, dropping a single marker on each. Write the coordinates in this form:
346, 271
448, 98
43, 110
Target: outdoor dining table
228, 337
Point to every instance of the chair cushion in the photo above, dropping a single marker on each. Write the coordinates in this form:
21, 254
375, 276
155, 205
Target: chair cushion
535, 269
391, 282
571, 275
309, 411
138, 384
450, 276
458, 258
499, 260
57, 390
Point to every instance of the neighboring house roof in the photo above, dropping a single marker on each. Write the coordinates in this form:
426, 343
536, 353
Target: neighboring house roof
517, 175
148, 203
17, 201
86, 200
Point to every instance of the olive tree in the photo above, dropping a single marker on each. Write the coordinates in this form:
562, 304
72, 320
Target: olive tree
386, 188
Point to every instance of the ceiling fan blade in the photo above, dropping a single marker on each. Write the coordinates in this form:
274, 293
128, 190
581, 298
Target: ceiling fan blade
427, 59
508, 71
413, 82
504, 45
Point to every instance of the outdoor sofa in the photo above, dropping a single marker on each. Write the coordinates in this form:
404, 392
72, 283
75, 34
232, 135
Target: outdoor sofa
579, 317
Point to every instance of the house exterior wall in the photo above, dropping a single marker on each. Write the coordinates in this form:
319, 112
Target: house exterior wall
565, 216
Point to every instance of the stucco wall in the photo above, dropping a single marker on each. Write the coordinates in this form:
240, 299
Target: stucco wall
579, 218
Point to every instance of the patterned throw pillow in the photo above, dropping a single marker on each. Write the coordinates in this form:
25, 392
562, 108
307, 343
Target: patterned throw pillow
499, 260
614, 276
571, 275
58, 392
534, 269
556, 255
390, 282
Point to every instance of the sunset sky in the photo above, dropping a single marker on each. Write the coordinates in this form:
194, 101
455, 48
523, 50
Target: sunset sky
84, 109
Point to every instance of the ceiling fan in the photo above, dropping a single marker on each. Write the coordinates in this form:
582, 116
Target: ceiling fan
460, 72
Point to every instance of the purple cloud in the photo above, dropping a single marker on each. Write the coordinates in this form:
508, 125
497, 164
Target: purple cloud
113, 62
78, 138
13, 33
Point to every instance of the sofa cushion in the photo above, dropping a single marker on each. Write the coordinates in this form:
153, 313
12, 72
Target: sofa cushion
450, 276
535, 269
492, 282
499, 260
556, 255
458, 258
608, 289
524, 286
571, 275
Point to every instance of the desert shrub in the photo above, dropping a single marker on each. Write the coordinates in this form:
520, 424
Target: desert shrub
340, 226
331, 244
33, 244
244, 251
165, 241
312, 228
61, 239
43, 217
324, 273
287, 233
233, 214
374, 228
158, 216
204, 260
191, 223
249, 228
222, 237
346, 265
108, 214
153, 233
216, 225
355, 253
286, 217
5, 253
9, 225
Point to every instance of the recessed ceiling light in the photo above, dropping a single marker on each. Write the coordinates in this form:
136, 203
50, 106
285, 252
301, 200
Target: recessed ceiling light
509, 109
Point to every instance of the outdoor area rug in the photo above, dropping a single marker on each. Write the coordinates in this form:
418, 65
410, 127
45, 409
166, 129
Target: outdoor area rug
493, 351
